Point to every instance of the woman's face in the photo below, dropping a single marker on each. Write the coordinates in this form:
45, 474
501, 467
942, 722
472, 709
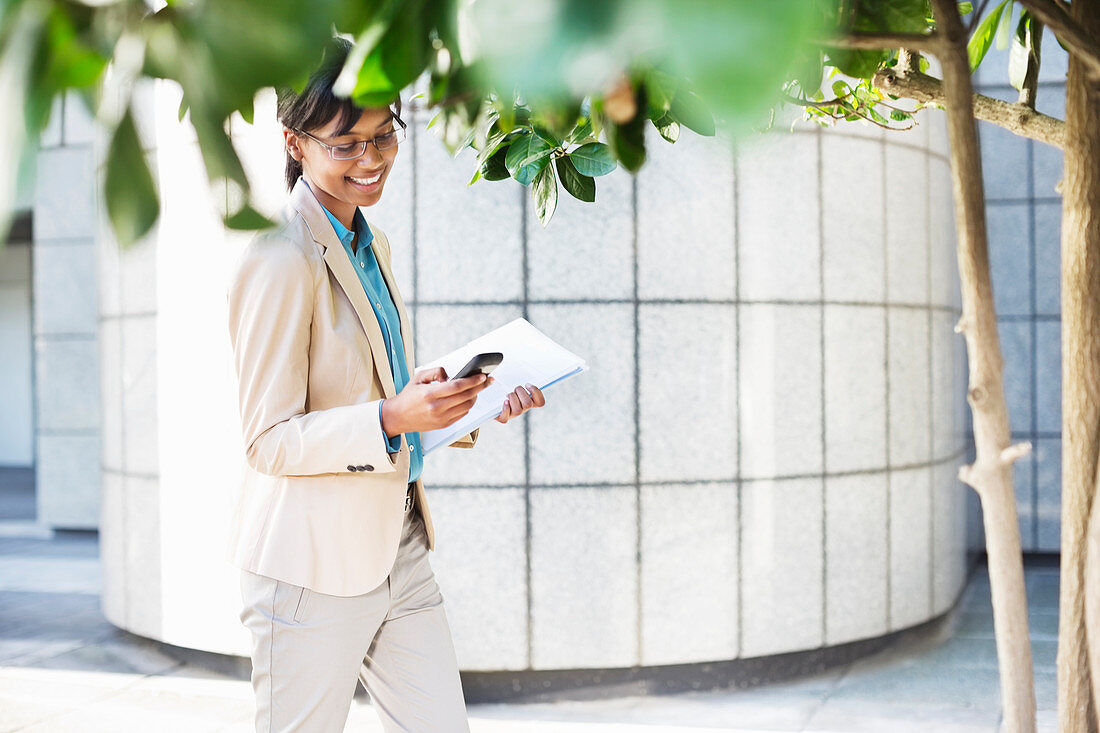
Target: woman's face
342, 185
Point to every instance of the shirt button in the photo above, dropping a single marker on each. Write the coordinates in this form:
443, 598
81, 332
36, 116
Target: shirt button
361, 264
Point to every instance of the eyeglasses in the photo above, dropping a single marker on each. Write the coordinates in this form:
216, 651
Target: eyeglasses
349, 151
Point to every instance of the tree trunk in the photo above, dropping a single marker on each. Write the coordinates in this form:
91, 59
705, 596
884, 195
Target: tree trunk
1079, 616
991, 473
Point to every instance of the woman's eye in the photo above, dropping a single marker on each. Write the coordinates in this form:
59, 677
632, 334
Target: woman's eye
346, 148
387, 138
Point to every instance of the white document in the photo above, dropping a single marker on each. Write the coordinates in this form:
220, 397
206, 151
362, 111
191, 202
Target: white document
530, 356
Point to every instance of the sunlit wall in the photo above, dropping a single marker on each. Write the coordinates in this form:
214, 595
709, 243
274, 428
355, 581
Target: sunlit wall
761, 458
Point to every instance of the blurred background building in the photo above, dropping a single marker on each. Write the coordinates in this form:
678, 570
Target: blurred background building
761, 460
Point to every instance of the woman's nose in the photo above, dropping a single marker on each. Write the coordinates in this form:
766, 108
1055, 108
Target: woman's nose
370, 158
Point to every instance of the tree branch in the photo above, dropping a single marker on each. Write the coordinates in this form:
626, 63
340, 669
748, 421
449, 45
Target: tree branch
1030, 87
1017, 118
874, 40
1080, 43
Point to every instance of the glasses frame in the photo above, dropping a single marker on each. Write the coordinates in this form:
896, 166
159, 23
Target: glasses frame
397, 130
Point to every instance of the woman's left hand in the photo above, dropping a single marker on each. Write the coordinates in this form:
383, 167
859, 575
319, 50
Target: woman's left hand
520, 401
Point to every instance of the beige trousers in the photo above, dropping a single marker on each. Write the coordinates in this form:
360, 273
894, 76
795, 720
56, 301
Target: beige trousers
308, 648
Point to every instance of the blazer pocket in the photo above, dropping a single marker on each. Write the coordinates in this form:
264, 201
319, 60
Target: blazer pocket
303, 602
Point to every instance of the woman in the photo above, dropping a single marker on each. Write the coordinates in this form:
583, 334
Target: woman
332, 528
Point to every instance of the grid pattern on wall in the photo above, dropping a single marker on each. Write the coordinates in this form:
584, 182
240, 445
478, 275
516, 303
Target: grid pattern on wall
1024, 217
66, 345
692, 498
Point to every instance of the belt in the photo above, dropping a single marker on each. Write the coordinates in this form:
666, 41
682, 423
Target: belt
409, 496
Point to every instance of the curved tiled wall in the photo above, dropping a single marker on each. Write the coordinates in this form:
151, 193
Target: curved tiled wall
761, 459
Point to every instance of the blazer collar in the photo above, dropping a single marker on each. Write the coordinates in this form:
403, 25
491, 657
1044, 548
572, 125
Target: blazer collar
305, 203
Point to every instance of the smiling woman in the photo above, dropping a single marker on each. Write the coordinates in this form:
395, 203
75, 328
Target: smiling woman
332, 528
345, 151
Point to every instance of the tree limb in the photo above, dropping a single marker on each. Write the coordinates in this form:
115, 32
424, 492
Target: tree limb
1017, 118
875, 40
1080, 43
1030, 87
992, 476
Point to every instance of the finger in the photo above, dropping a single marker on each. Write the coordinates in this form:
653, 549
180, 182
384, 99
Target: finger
536, 395
454, 387
458, 410
525, 400
513, 400
505, 414
425, 376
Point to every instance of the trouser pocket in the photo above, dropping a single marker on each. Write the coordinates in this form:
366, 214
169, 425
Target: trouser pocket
300, 607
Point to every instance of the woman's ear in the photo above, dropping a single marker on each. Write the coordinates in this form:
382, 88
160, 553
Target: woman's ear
291, 142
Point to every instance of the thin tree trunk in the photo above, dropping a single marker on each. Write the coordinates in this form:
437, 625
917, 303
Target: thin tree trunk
991, 473
1078, 619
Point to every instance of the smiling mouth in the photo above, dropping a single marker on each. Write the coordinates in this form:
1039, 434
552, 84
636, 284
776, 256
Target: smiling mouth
366, 181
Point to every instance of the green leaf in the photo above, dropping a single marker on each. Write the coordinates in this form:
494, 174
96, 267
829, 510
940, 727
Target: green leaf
353, 16
545, 193
900, 116
527, 156
859, 64
494, 143
688, 109
398, 59
660, 89
1004, 28
72, 63
875, 115
366, 43
248, 113
248, 219
966, 8
593, 159
808, 71
494, 169
1023, 53
982, 39
628, 143
131, 194
236, 47
581, 132
669, 128
578, 185
903, 16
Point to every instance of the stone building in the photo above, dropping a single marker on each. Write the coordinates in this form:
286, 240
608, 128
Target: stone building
762, 458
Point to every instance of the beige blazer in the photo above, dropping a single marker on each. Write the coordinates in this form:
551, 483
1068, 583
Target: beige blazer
321, 502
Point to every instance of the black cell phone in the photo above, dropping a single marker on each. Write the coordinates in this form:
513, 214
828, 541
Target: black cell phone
480, 364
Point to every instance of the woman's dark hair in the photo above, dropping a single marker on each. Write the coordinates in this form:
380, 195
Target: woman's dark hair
317, 105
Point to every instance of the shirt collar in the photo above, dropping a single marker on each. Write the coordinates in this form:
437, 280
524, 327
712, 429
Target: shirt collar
366, 236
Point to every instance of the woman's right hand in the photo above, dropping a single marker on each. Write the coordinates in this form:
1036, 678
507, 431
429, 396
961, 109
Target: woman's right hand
431, 401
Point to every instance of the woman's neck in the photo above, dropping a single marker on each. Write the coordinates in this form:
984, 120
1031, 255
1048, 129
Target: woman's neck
342, 210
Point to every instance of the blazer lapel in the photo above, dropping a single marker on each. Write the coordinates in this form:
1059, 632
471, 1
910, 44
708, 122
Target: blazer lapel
336, 258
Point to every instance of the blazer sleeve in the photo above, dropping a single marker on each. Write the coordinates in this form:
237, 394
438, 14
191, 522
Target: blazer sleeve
271, 300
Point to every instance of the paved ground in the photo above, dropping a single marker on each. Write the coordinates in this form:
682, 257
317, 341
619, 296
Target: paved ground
64, 668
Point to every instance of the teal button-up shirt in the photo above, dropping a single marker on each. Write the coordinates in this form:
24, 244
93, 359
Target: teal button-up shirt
370, 276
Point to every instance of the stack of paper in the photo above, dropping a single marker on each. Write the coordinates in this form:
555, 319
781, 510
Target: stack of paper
530, 356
